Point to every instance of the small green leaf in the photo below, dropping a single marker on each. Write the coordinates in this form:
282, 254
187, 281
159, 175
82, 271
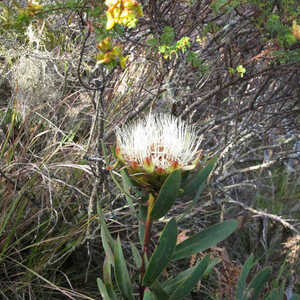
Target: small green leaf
148, 295
102, 289
241, 70
168, 36
259, 281
200, 178
162, 253
231, 70
153, 42
241, 286
121, 272
205, 239
187, 285
167, 195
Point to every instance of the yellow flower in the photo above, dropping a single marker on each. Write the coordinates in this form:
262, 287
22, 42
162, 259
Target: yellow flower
110, 21
105, 45
125, 12
296, 30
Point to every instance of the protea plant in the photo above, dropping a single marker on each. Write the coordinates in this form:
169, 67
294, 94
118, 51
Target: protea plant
157, 151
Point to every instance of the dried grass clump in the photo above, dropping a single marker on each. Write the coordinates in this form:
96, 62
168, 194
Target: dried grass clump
292, 247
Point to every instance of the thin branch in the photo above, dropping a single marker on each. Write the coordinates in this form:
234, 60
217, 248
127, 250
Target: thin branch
259, 213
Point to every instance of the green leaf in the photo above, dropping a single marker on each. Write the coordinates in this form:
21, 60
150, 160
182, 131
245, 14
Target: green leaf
273, 295
107, 269
205, 239
211, 265
241, 70
152, 42
187, 285
159, 291
200, 178
167, 195
127, 184
241, 286
259, 281
105, 234
148, 295
107, 243
168, 36
162, 253
121, 272
193, 203
142, 215
295, 297
172, 283
141, 232
111, 293
102, 289
136, 255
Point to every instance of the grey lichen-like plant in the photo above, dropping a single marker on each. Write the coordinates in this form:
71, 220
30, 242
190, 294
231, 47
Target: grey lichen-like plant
35, 79
33, 83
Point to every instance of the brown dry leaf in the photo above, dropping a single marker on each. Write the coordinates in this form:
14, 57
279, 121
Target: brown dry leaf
223, 254
193, 260
182, 236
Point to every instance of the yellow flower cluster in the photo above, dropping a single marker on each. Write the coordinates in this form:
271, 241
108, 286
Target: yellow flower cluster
124, 12
109, 54
33, 7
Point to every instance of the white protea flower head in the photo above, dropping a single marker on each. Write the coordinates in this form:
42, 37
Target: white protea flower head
157, 144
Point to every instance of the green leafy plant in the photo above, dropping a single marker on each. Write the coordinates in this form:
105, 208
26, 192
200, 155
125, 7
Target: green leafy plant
254, 289
167, 46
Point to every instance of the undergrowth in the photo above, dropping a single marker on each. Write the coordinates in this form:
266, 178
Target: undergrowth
54, 173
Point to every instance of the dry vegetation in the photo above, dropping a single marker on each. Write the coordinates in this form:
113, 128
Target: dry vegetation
57, 107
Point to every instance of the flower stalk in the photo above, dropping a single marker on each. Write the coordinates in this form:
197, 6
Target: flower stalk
147, 238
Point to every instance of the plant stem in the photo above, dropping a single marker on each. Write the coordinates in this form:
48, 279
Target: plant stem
147, 237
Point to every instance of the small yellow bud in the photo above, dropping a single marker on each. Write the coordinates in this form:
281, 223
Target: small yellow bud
116, 51
123, 61
296, 30
105, 45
